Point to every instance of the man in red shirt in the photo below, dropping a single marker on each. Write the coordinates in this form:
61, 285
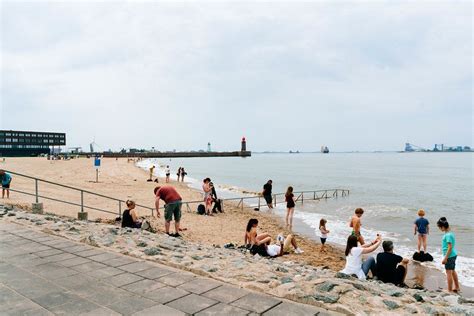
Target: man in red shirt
172, 207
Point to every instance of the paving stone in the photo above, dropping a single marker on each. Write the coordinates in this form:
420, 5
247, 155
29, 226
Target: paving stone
47, 253
78, 248
89, 266
120, 261
75, 280
104, 272
295, 309
75, 307
103, 311
60, 257
30, 263
55, 271
165, 294
103, 257
33, 289
176, 279
159, 310
222, 309
256, 302
89, 253
131, 305
73, 262
37, 248
19, 307
53, 299
226, 294
122, 279
154, 273
192, 303
199, 285
7, 295
136, 266
64, 245
143, 286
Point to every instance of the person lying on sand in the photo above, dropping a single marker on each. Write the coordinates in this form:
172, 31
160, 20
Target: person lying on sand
251, 236
283, 246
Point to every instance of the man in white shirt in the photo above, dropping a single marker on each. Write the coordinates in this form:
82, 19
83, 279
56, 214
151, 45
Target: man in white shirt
286, 245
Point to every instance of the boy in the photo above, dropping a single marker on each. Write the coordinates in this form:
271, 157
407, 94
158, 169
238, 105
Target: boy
6, 180
422, 226
355, 224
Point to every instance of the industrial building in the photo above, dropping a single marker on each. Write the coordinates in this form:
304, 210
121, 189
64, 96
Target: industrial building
28, 143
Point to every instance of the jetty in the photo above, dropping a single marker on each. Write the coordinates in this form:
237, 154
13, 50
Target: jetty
177, 154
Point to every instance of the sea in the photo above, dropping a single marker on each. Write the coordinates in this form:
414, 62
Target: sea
390, 187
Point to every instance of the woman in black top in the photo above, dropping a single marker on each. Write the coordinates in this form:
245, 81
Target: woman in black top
130, 217
290, 206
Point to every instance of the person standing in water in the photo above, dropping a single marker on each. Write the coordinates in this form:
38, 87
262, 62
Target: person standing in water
448, 245
167, 172
183, 173
290, 207
355, 224
178, 174
324, 233
422, 227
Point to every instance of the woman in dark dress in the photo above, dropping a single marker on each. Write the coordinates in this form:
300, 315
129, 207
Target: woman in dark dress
130, 216
290, 206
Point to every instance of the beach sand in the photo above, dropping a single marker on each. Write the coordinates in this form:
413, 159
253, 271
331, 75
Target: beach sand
123, 180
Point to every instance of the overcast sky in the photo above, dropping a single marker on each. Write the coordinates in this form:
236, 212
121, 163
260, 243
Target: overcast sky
349, 75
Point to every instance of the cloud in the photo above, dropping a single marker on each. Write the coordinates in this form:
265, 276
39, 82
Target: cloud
286, 75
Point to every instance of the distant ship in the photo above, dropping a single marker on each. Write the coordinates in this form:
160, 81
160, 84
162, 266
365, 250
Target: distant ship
294, 152
324, 149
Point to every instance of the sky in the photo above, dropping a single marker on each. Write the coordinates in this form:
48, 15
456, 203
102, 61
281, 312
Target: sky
350, 75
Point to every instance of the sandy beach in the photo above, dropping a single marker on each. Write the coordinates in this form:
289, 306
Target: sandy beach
123, 180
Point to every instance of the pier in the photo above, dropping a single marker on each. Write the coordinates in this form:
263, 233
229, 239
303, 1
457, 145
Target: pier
178, 154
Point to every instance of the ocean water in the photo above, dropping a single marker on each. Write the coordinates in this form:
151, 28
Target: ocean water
390, 187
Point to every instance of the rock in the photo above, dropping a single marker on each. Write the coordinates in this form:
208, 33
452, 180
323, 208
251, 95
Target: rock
391, 304
281, 269
211, 269
114, 230
11, 214
153, 251
142, 244
341, 275
418, 297
286, 280
73, 229
326, 286
90, 240
465, 300
196, 257
326, 298
359, 286
395, 293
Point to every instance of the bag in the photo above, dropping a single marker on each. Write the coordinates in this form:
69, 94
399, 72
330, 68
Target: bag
201, 209
422, 256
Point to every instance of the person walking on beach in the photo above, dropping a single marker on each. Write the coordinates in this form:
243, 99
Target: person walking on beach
323, 233
173, 204
6, 179
354, 264
391, 268
178, 174
167, 172
290, 207
207, 195
183, 173
422, 227
267, 193
355, 224
448, 245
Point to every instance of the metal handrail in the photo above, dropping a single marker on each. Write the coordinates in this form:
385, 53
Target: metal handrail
241, 200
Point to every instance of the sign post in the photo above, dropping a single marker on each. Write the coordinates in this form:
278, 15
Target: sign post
97, 166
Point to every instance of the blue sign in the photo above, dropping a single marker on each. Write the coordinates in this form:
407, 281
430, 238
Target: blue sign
97, 162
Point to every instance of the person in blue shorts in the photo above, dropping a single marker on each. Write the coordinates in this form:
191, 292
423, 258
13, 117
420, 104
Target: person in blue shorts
450, 254
422, 227
6, 179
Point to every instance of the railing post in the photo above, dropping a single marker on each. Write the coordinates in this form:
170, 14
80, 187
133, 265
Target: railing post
242, 204
37, 207
325, 194
302, 197
275, 200
82, 216
36, 190
314, 195
120, 208
259, 202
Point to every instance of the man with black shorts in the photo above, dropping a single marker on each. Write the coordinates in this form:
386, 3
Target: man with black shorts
391, 268
267, 193
6, 179
172, 207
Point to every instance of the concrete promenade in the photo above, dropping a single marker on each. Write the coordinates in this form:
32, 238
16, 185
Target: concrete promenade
41, 274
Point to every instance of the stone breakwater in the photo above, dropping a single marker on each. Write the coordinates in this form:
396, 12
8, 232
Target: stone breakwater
279, 277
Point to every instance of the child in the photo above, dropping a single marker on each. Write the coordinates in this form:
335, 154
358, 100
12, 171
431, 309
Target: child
355, 224
422, 226
324, 233
290, 206
449, 251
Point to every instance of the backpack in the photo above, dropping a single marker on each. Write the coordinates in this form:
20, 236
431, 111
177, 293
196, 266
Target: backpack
201, 209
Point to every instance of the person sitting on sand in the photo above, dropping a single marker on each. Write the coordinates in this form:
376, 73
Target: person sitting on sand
355, 224
354, 264
6, 180
450, 254
324, 233
172, 207
251, 236
391, 268
284, 246
422, 227
130, 216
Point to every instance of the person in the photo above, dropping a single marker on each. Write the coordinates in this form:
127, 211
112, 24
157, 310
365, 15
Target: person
217, 202
290, 206
286, 245
207, 195
172, 207
267, 193
152, 169
422, 227
251, 236
167, 172
391, 268
178, 174
356, 223
6, 179
183, 173
450, 254
354, 264
323, 233
130, 216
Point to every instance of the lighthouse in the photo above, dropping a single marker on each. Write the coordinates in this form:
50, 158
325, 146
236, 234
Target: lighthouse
244, 145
